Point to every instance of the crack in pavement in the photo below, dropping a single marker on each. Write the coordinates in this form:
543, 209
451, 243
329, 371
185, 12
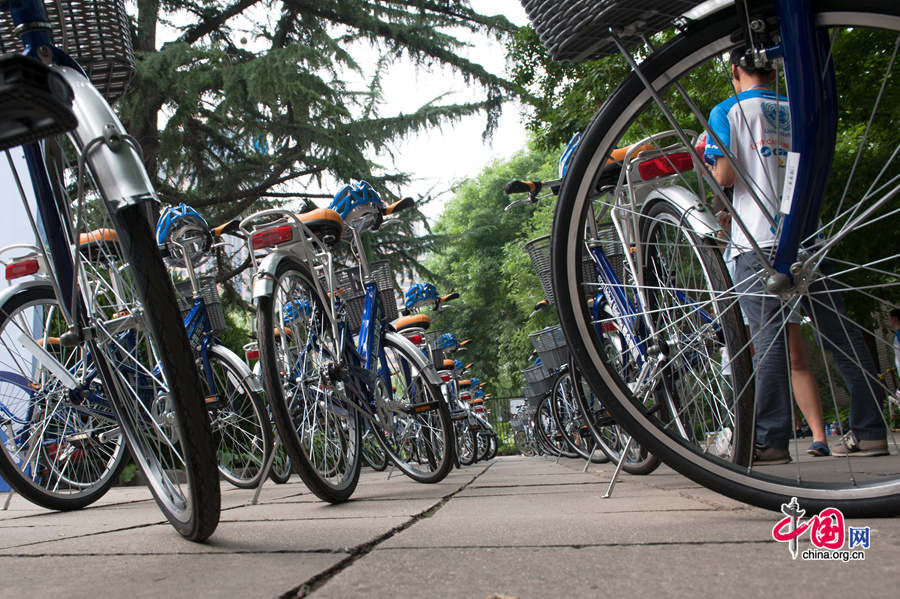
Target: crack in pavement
583, 545
364, 549
170, 553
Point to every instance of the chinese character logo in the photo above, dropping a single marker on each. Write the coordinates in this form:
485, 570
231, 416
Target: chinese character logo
827, 533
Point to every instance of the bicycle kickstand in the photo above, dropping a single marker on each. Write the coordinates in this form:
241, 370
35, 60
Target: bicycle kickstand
266, 469
589, 458
612, 483
9, 497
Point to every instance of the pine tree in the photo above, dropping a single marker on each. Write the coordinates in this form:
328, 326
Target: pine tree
251, 106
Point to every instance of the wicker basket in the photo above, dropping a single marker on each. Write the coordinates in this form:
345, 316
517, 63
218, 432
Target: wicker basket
353, 294
210, 294
550, 344
576, 30
539, 252
96, 33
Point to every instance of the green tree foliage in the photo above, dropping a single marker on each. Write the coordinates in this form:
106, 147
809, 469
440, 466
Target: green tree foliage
483, 260
258, 100
564, 97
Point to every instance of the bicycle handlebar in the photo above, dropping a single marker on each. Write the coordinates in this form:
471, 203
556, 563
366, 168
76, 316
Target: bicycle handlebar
531, 187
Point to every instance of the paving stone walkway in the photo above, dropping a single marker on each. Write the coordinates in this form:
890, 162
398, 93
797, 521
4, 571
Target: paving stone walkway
514, 527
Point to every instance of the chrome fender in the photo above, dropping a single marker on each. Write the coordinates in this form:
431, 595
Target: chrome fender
419, 358
697, 216
9, 292
232, 358
264, 279
113, 157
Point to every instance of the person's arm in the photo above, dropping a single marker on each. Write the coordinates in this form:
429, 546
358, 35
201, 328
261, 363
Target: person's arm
713, 154
723, 172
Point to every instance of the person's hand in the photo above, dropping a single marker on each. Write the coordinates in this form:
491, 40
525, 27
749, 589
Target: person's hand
724, 218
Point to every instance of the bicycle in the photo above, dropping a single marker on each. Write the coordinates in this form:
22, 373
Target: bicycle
93, 196
578, 414
415, 325
238, 415
686, 390
319, 383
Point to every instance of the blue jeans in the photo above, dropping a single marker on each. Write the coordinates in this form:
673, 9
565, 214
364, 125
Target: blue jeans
766, 316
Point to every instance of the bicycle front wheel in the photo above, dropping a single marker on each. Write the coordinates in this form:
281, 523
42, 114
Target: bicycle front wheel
687, 392
412, 420
149, 372
238, 417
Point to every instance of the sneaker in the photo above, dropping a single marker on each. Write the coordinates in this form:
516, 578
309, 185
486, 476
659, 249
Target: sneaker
860, 448
818, 449
769, 456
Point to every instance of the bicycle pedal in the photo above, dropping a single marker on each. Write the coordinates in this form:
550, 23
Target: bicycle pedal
35, 102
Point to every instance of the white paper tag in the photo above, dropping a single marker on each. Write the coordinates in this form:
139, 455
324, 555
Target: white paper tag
790, 180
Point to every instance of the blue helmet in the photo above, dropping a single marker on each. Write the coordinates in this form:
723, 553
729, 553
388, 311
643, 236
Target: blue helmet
478, 394
420, 293
447, 341
457, 365
567, 154
354, 201
475, 382
182, 223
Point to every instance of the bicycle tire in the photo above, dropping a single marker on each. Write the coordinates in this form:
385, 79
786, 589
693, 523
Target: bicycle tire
194, 514
239, 421
575, 429
700, 43
75, 473
548, 433
320, 431
466, 443
373, 453
280, 472
494, 446
432, 429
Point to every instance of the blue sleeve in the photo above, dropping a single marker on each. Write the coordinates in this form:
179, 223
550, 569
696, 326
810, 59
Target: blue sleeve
718, 123
897, 334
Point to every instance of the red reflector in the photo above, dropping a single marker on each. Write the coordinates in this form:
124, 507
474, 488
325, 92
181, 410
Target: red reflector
417, 339
21, 269
445, 377
273, 236
465, 396
609, 327
252, 354
666, 165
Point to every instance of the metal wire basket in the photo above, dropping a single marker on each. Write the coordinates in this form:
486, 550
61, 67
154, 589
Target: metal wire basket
437, 354
539, 252
210, 294
537, 380
532, 400
352, 294
577, 30
96, 33
550, 344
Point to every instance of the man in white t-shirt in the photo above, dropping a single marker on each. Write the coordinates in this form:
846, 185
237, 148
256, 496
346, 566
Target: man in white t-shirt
755, 126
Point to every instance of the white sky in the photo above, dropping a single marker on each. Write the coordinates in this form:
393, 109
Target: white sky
438, 158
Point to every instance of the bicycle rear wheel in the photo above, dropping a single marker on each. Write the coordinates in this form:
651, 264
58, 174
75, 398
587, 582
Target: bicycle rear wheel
59, 450
702, 394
